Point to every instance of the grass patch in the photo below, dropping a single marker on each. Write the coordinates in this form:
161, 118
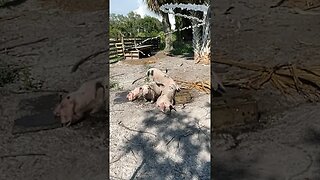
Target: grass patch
182, 48
8, 75
114, 85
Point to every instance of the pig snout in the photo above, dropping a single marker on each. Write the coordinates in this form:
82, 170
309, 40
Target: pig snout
136, 93
130, 96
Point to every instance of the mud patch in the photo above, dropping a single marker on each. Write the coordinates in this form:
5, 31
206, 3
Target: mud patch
39, 104
140, 61
121, 97
40, 117
184, 96
235, 112
37, 122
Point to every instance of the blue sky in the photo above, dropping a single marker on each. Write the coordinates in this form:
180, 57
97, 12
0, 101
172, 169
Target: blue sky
125, 6
138, 6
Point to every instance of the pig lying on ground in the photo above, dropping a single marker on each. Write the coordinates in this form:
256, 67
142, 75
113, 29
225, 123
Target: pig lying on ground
167, 99
151, 91
161, 78
90, 97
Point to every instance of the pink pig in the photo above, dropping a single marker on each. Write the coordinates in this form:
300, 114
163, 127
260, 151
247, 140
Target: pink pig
88, 98
135, 94
151, 91
166, 100
161, 78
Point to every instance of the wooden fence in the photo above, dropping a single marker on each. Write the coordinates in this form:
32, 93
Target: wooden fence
118, 47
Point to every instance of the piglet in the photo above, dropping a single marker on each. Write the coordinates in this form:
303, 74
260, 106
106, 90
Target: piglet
167, 99
90, 97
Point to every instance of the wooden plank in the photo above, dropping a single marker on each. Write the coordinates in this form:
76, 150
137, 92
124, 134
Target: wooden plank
113, 53
115, 56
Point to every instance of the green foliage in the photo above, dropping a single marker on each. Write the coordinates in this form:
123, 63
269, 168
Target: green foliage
114, 85
182, 48
29, 82
133, 25
8, 75
162, 40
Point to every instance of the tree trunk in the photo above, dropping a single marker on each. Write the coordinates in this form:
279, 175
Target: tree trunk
167, 28
196, 40
206, 38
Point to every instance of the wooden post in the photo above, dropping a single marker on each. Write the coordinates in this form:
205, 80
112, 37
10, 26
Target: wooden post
134, 42
122, 43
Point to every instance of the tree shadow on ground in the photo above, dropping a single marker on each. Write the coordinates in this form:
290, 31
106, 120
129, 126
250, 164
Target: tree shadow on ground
312, 137
175, 151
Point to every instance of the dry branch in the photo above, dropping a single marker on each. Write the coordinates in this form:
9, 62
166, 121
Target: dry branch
203, 86
312, 7
122, 125
285, 78
81, 61
278, 4
23, 44
21, 155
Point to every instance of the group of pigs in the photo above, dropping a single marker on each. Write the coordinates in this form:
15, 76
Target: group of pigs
162, 90
90, 97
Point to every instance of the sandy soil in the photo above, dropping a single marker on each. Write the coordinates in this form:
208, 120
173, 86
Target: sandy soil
79, 152
286, 146
172, 146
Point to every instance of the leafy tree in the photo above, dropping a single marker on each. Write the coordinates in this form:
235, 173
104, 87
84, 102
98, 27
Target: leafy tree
133, 25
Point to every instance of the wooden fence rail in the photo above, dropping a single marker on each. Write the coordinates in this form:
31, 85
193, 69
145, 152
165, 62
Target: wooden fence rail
118, 47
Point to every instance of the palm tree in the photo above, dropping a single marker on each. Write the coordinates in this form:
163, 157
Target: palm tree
201, 35
154, 5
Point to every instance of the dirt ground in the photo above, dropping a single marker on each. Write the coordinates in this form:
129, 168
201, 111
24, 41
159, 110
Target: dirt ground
286, 146
159, 146
67, 35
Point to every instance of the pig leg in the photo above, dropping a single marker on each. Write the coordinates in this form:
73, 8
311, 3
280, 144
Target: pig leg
162, 107
172, 107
